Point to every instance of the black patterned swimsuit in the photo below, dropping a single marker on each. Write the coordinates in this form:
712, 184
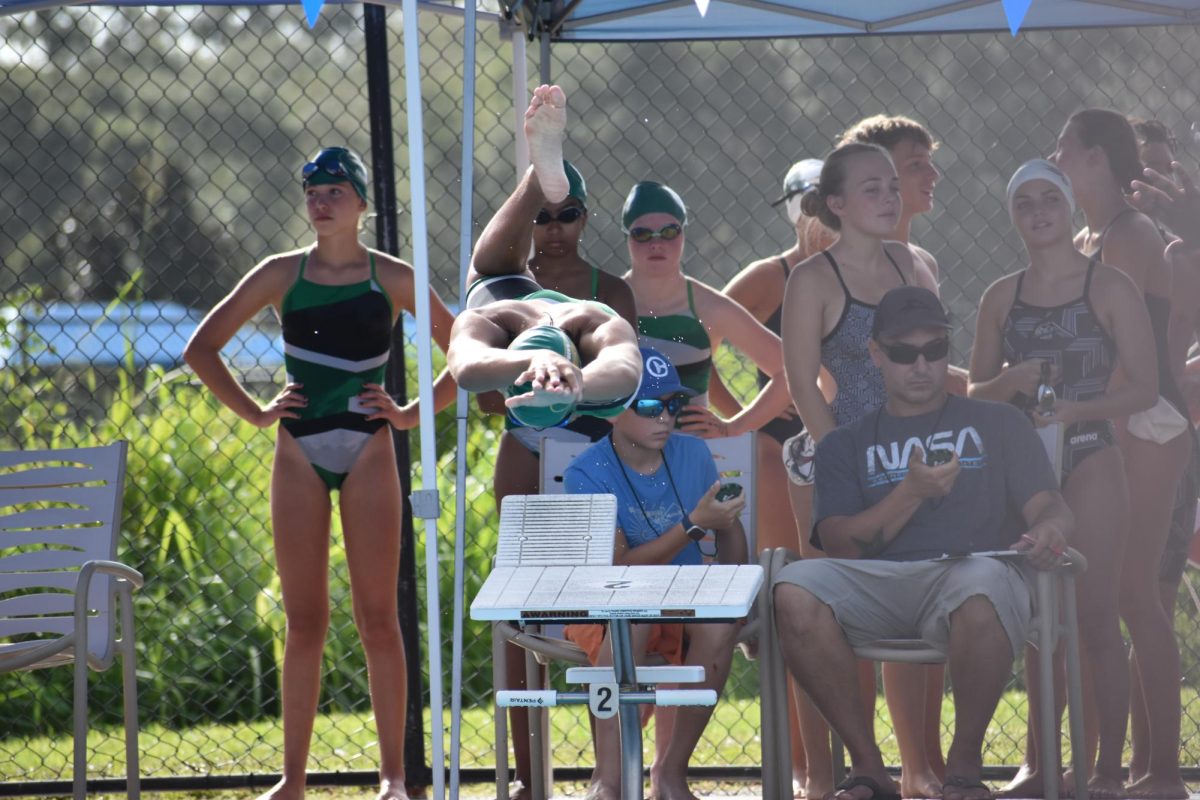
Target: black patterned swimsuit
844, 354
1071, 338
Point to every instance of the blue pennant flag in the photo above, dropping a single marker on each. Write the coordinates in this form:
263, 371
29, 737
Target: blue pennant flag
312, 10
1015, 10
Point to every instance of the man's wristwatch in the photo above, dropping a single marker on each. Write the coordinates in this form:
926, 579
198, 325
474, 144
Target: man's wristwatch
694, 532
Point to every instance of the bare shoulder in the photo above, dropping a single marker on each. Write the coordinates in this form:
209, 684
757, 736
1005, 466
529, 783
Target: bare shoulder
1000, 295
388, 266
279, 270
814, 273
1111, 282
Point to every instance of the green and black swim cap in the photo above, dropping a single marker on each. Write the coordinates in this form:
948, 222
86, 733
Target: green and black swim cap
650, 197
336, 165
542, 337
576, 185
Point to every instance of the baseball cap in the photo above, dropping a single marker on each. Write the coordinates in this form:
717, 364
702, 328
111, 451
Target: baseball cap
336, 165
803, 175
908, 308
659, 377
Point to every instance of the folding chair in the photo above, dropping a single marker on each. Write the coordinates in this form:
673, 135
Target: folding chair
735, 458
59, 583
1054, 620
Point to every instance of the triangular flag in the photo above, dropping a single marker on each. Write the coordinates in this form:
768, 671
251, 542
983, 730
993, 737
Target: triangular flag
1016, 10
312, 10
702, 5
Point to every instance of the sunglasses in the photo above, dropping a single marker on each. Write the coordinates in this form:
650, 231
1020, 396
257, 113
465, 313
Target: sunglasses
653, 407
643, 235
330, 166
908, 353
564, 217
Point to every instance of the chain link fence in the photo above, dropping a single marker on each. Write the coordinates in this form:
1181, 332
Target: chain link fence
150, 159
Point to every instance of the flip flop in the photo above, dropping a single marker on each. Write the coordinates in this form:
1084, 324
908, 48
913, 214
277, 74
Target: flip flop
961, 785
877, 792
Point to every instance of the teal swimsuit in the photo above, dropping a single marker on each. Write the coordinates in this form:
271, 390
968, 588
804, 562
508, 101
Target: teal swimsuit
335, 339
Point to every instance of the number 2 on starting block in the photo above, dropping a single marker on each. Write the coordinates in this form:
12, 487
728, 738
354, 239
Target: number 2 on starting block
603, 699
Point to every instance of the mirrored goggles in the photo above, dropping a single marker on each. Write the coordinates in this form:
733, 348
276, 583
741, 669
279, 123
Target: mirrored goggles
653, 407
643, 235
330, 166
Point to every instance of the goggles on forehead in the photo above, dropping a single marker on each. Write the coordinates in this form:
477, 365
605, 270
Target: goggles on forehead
328, 164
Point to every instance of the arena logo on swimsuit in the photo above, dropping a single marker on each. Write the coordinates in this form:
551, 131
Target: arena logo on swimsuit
889, 463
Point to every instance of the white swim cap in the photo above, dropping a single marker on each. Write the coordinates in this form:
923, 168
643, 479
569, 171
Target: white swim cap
803, 175
1040, 169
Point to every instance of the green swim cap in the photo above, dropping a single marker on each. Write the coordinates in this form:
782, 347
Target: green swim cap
542, 337
576, 185
335, 165
649, 197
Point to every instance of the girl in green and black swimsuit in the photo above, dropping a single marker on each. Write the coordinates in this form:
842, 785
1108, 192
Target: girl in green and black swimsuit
687, 320
338, 302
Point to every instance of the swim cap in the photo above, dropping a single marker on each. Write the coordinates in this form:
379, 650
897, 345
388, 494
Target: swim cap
576, 185
335, 165
1040, 169
649, 197
542, 337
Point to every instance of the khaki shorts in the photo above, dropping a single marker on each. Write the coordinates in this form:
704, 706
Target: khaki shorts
873, 599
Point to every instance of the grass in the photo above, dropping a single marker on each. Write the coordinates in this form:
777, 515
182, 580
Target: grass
344, 742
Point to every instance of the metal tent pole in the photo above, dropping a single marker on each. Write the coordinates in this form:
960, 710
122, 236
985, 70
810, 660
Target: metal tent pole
425, 501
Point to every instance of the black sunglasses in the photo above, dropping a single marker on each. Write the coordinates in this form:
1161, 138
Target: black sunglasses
667, 233
908, 353
653, 407
564, 217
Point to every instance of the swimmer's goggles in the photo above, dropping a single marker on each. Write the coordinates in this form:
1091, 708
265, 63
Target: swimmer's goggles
564, 217
328, 163
653, 407
667, 233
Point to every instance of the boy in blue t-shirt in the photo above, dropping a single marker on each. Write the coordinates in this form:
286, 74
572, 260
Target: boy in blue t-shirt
666, 484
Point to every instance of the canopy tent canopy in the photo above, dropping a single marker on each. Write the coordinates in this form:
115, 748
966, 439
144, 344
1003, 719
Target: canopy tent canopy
638, 20
663, 20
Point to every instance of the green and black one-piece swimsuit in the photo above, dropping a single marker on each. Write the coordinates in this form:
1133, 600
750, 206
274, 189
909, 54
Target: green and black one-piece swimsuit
335, 339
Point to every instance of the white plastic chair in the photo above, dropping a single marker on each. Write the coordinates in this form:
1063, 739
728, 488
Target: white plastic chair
60, 515
1054, 621
735, 458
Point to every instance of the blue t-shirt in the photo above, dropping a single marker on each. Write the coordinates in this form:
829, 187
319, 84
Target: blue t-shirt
1003, 464
597, 470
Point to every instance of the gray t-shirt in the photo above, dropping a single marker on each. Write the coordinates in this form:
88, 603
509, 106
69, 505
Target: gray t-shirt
1003, 465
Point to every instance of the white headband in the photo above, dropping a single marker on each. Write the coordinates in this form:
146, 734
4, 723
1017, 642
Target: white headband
1040, 169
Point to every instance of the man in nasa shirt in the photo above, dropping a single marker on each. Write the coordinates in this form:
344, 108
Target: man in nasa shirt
928, 475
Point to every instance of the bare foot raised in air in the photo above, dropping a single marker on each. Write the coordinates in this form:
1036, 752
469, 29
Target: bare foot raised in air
545, 121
